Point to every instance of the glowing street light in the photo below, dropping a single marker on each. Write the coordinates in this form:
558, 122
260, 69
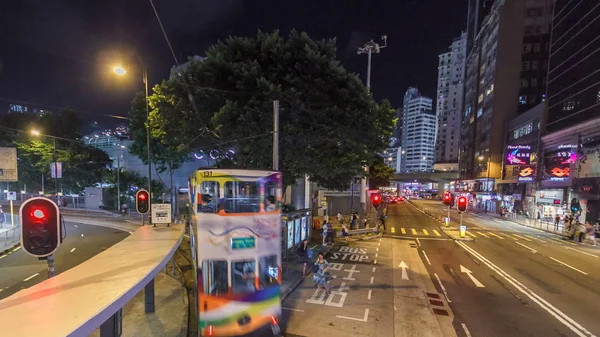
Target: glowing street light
35, 132
120, 70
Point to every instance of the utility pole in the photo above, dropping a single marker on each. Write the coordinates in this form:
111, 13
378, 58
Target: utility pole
368, 48
119, 183
276, 135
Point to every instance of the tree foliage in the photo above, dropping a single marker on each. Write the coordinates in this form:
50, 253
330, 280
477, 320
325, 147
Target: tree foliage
380, 174
81, 165
329, 124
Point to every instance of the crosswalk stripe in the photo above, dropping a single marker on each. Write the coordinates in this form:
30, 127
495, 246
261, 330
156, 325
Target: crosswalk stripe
483, 234
425, 232
533, 237
496, 235
403, 230
393, 229
520, 237
508, 236
436, 233
471, 234
413, 231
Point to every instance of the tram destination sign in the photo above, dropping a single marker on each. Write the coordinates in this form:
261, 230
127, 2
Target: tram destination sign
243, 243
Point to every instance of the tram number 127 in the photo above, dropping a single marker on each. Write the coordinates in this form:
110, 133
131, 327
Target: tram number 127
207, 174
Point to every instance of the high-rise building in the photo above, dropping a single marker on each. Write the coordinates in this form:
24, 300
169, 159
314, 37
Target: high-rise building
476, 12
418, 132
504, 77
392, 158
451, 74
574, 71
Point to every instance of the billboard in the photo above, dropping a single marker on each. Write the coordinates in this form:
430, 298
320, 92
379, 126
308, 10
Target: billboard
558, 164
8, 164
518, 155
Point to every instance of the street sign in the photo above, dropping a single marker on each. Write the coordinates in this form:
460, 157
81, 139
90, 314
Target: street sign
11, 196
8, 164
161, 213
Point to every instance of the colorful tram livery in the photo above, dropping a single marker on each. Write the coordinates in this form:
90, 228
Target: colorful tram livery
239, 250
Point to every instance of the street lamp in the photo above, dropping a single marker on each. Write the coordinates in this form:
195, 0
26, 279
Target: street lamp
368, 48
121, 71
37, 133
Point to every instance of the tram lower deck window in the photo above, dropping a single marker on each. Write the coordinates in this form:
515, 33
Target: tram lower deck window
214, 274
243, 276
269, 271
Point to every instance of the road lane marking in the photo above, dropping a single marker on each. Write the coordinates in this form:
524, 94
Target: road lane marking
403, 231
375, 262
292, 309
582, 252
376, 254
425, 232
533, 237
467, 332
393, 229
72, 250
187, 236
372, 279
442, 286
469, 273
496, 235
520, 237
75, 226
483, 234
377, 249
413, 231
471, 234
404, 273
3, 256
30, 277
559, 315
14, 250
436, 233
369, 294
374, 268
364, 319
566, 265
426, 257
522, 245
418, 242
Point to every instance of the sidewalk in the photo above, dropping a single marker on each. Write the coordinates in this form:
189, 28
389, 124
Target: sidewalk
523, 221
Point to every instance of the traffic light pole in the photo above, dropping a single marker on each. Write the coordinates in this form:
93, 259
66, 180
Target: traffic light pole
50, 260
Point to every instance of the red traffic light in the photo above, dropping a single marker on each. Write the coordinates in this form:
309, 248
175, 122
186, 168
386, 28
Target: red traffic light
446, 197
143, 196
142, 202
462, 204
38, 213
376, 198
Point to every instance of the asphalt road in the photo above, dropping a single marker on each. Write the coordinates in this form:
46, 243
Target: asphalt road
511, 280
18, 270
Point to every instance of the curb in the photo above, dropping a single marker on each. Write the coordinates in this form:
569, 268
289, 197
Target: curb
5, 251
296, 283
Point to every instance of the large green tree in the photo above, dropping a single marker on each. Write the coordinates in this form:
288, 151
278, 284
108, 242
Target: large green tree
329, 124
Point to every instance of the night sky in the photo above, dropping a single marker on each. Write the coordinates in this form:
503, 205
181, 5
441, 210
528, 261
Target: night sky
60, 53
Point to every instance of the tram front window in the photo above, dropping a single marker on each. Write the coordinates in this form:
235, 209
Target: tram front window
208, 199
242, 197
214, 274
243, 276
268, 271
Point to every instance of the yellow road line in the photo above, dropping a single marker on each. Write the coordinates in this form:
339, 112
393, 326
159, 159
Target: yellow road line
496, 235
520, 237
471, 234
413, 231
425, 232
393, 229
436, 233
403, 230
483, 234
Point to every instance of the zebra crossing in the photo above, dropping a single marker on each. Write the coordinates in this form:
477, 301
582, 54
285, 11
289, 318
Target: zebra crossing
482, 234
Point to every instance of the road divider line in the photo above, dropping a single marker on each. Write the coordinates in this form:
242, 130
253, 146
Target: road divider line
75, 226
442, 286
369, 294
582, 252
555, 312
72, 250
425, 231
364, 319
377, 248
393, 229
520, 237
533, 237
403, 231
418, 242
292, 309
376, 254
436, 233
372, 279
522, 245
413, 231
3, 256
566, 265
483, 234
426, 257
30, 277
466, 330
374, 268
375, 262
496, 235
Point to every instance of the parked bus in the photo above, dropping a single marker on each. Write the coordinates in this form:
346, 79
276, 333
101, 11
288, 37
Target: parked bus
238, 255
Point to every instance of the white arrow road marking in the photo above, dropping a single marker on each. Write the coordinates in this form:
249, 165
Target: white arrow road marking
470, 274
522, 245
404, 266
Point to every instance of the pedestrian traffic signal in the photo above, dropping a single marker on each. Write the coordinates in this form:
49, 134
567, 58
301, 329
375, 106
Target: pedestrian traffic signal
462, 204
376, 200
448, 199
575, 206
142, 202
40, 226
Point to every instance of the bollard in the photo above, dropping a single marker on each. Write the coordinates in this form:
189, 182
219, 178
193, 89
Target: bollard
463, 231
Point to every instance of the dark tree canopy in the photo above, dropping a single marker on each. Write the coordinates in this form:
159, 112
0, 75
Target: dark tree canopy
329, 124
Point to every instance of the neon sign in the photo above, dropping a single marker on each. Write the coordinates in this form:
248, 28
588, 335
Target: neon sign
526, 174
518, 155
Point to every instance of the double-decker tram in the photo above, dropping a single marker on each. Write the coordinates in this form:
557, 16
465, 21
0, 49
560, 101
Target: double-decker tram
238, 242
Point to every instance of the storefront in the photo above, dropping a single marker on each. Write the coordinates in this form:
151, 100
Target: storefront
550, 202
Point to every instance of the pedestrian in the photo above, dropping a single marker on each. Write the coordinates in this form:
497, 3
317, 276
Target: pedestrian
320, 274
302, 252
590, 233
556, 221
1, 216
324, 233
345, 231
340, 217
330, 232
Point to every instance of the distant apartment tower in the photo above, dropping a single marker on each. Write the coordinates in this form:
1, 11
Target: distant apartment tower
505, 76
392, 158
418, 132
451, 75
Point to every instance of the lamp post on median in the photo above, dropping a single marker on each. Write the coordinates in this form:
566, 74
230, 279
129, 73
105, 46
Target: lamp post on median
368, 48
121, 71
